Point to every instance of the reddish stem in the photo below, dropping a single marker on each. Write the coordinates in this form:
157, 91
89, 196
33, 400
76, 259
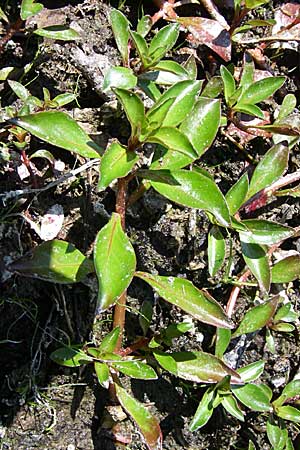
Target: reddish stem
13, 29
134, 347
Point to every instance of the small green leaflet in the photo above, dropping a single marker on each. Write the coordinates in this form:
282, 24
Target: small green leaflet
59, 32
114, 260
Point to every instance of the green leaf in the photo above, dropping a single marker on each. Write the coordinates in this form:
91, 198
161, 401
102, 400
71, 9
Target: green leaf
261, 90
144, 25
288, 413
270, 341
202, 123
147, 423
247, 76
286, 313
136, 369
287, 107
223, 337
283, 327
216, 250
257, 317
114, 260
252, 371
255, 396
70, 357
276, 435
270, 168
30, 8
116, 163
251, 446
264, 232
141, 47
150, 89
64, 99
110, 341
3, 16
289, 445
59, 32
19, 90
292, 389
119, 77
252, 4
229, 84
213, 88
166, 72
286, 270
43, 154
236, 195
250, 109
231, 406
162, 42
190, 66
59, 129
55, 261
204, 410
183, 294
198, 367
145, 316
190, 189
120, 26
173, 139
102, 372
183, 95
257, 261
134, 109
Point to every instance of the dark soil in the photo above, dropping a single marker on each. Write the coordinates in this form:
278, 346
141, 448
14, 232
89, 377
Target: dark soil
45, 406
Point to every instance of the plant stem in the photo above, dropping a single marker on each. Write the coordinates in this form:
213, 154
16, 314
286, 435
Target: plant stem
120, 308
13, 29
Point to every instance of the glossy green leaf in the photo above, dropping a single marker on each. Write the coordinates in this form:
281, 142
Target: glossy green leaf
183, 95
59, 32
145, 316
292, 389
231, 406
261, 90
162, 42
190, 66
155, 117
19, 90
247, 75
166, 73
116, 163
183, 294
114, 260
286, 270
252, 371
289, 413
144, 25
250, 109
147, 423
134, 109
190, 189
255, 396
257, 261
30, 8
289, 445
120, 27
270, 168
198, 367
119, 77
287, 107
213, 88
173, 139
236, 195
64, 99
102, 372
270, 341
252, 4
216, 250
202, 123
56, 261
204, 410
109, 343
136, 369
286, 313
264, 232
43, 154
257, 317
276, 435
59, 129
141, 47
283, 327
150, 89
70, 357
228, 82
223, 337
